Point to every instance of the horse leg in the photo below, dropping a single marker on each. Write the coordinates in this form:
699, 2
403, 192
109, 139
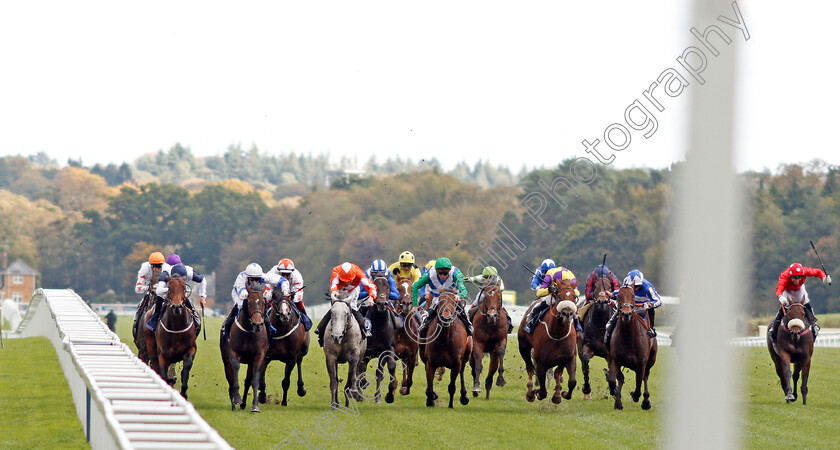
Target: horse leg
558, 384
286, 382
464, 398
616, 379
541, 370
500, 380
646, 401
249, 375
255, 381
494, 366
392, 378
430, 391
571, 368
163, 366
584, 364
785, 376
380, 374
332, 371
525, 352
806, 370
232, 374
301, 391
636, 394
797, 367
439, 374
475, 362
262, 396
185, 371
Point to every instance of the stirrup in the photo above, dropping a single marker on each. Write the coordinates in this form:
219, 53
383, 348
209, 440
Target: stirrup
652, 332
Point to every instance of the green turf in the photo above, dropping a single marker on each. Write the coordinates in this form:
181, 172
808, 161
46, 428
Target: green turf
37, 408
504, 421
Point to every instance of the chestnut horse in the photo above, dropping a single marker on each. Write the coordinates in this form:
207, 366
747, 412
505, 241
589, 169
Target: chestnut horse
632, 347
794, 344
554, 344
289, 344
174, 338
406, 338
490, 336
447, 345
591, 343
247, 344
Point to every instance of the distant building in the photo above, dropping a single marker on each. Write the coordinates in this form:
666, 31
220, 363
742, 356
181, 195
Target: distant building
17, 282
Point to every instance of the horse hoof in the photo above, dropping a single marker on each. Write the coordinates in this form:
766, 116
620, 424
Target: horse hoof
333, 406
587, 396
377, 401
184, 394
430, 401
465, 400
501, 382
619, 407
389, 398
232, 406
262, 397
646, 404
487, 397
403, 391
434, 396
530, 396
541, 396
556, 399
635, 397
790, 397
284, 403
567, 395
242, 405
255, 409
301, 391
476, 392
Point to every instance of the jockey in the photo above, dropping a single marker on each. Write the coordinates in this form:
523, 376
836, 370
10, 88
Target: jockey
348, 277
422, 292
148, 273
286, 269
536, 280
254, 277
377, 270
405, 267
601, 270
489, 277
439, 280
550, 282
162, 290
646, 298
791, 289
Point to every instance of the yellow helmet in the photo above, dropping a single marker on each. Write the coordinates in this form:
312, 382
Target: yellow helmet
407, 257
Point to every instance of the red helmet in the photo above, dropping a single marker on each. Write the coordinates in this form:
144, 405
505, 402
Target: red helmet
285, 265
796, 269
345, 273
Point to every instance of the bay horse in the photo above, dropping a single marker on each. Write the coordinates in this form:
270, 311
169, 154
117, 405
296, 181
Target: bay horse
137, 327
248, 344
490, 336
407, 338
448, 346
553, 345
381, 343
174, 338
591, 343
343, 343
289, 344
794, 344
632, 347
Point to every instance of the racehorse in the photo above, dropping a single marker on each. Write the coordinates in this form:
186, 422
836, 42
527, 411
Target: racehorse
407, 338
289, 344
490, 336
343, 343
632, 347
446, 345
137, 328
248, 344
794, 344
591, 343
174, 338
553, 345
381, 344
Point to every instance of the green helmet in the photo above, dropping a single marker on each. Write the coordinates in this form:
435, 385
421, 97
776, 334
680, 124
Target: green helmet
443, 263
490, 271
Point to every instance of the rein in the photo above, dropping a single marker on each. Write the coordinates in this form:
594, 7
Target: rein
192, 322
297, 324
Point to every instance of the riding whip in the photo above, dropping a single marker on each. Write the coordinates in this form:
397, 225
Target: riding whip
818, 257
2, 344
604, 262
204, 328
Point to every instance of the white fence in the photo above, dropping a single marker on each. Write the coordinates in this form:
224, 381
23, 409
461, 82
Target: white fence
825, 339
120, 401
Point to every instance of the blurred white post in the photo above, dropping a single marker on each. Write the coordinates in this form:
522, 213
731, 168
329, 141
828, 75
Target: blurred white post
710, 256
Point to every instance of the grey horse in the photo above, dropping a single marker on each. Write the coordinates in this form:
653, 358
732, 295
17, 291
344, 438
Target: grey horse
343, 344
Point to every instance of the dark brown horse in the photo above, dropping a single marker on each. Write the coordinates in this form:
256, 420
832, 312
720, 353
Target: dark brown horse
381, 344
595, 318
145, 305
554, 344
288, 345
632, 347
174, 338
794, 344
247, 344
446, 345
406, 338
490, 336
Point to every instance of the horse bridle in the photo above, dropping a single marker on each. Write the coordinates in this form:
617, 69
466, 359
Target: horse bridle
482, 303
787, 309
603, 281
555, 301
447, 321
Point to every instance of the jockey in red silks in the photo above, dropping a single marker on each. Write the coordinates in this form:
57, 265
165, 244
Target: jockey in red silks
348, 278
601, 270
791, 289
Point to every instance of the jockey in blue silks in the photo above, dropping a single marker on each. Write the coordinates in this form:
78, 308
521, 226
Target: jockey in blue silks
380, 269
537, 279
646, 298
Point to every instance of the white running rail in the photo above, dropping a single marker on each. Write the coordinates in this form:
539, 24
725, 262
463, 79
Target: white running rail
120, 401
825, 339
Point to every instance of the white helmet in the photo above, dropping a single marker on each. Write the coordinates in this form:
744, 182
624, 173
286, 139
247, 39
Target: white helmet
253, 270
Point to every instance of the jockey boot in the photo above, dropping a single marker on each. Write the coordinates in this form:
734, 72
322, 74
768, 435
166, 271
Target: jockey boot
578, 326
510, 322
322, 326
812, 319
610, 328
651, 316
467, 324
774, 325
196, 316
153, 321
363, 324
427, 319
229, 322
534, 316
135, 325
473, 310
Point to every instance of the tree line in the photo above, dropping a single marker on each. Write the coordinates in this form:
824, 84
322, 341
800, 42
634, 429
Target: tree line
79, 230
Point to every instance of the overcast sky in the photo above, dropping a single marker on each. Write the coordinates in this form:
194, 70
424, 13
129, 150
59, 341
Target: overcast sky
518, 83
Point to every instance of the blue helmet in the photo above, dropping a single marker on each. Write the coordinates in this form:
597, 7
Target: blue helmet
547, 264
602, 270
634, 277
378, 266
180, 270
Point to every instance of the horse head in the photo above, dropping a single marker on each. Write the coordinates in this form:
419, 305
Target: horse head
339, 315
626, 302
795, 321
565, 307
177, 294
383, 290
447, 308
491, 303
281, 306
254, 308
404, 303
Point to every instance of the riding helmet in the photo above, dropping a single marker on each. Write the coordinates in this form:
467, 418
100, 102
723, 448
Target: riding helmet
156, 258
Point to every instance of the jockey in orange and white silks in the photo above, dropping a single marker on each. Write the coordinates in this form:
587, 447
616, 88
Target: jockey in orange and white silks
791, 289
286, 269
348, 278
149, 270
